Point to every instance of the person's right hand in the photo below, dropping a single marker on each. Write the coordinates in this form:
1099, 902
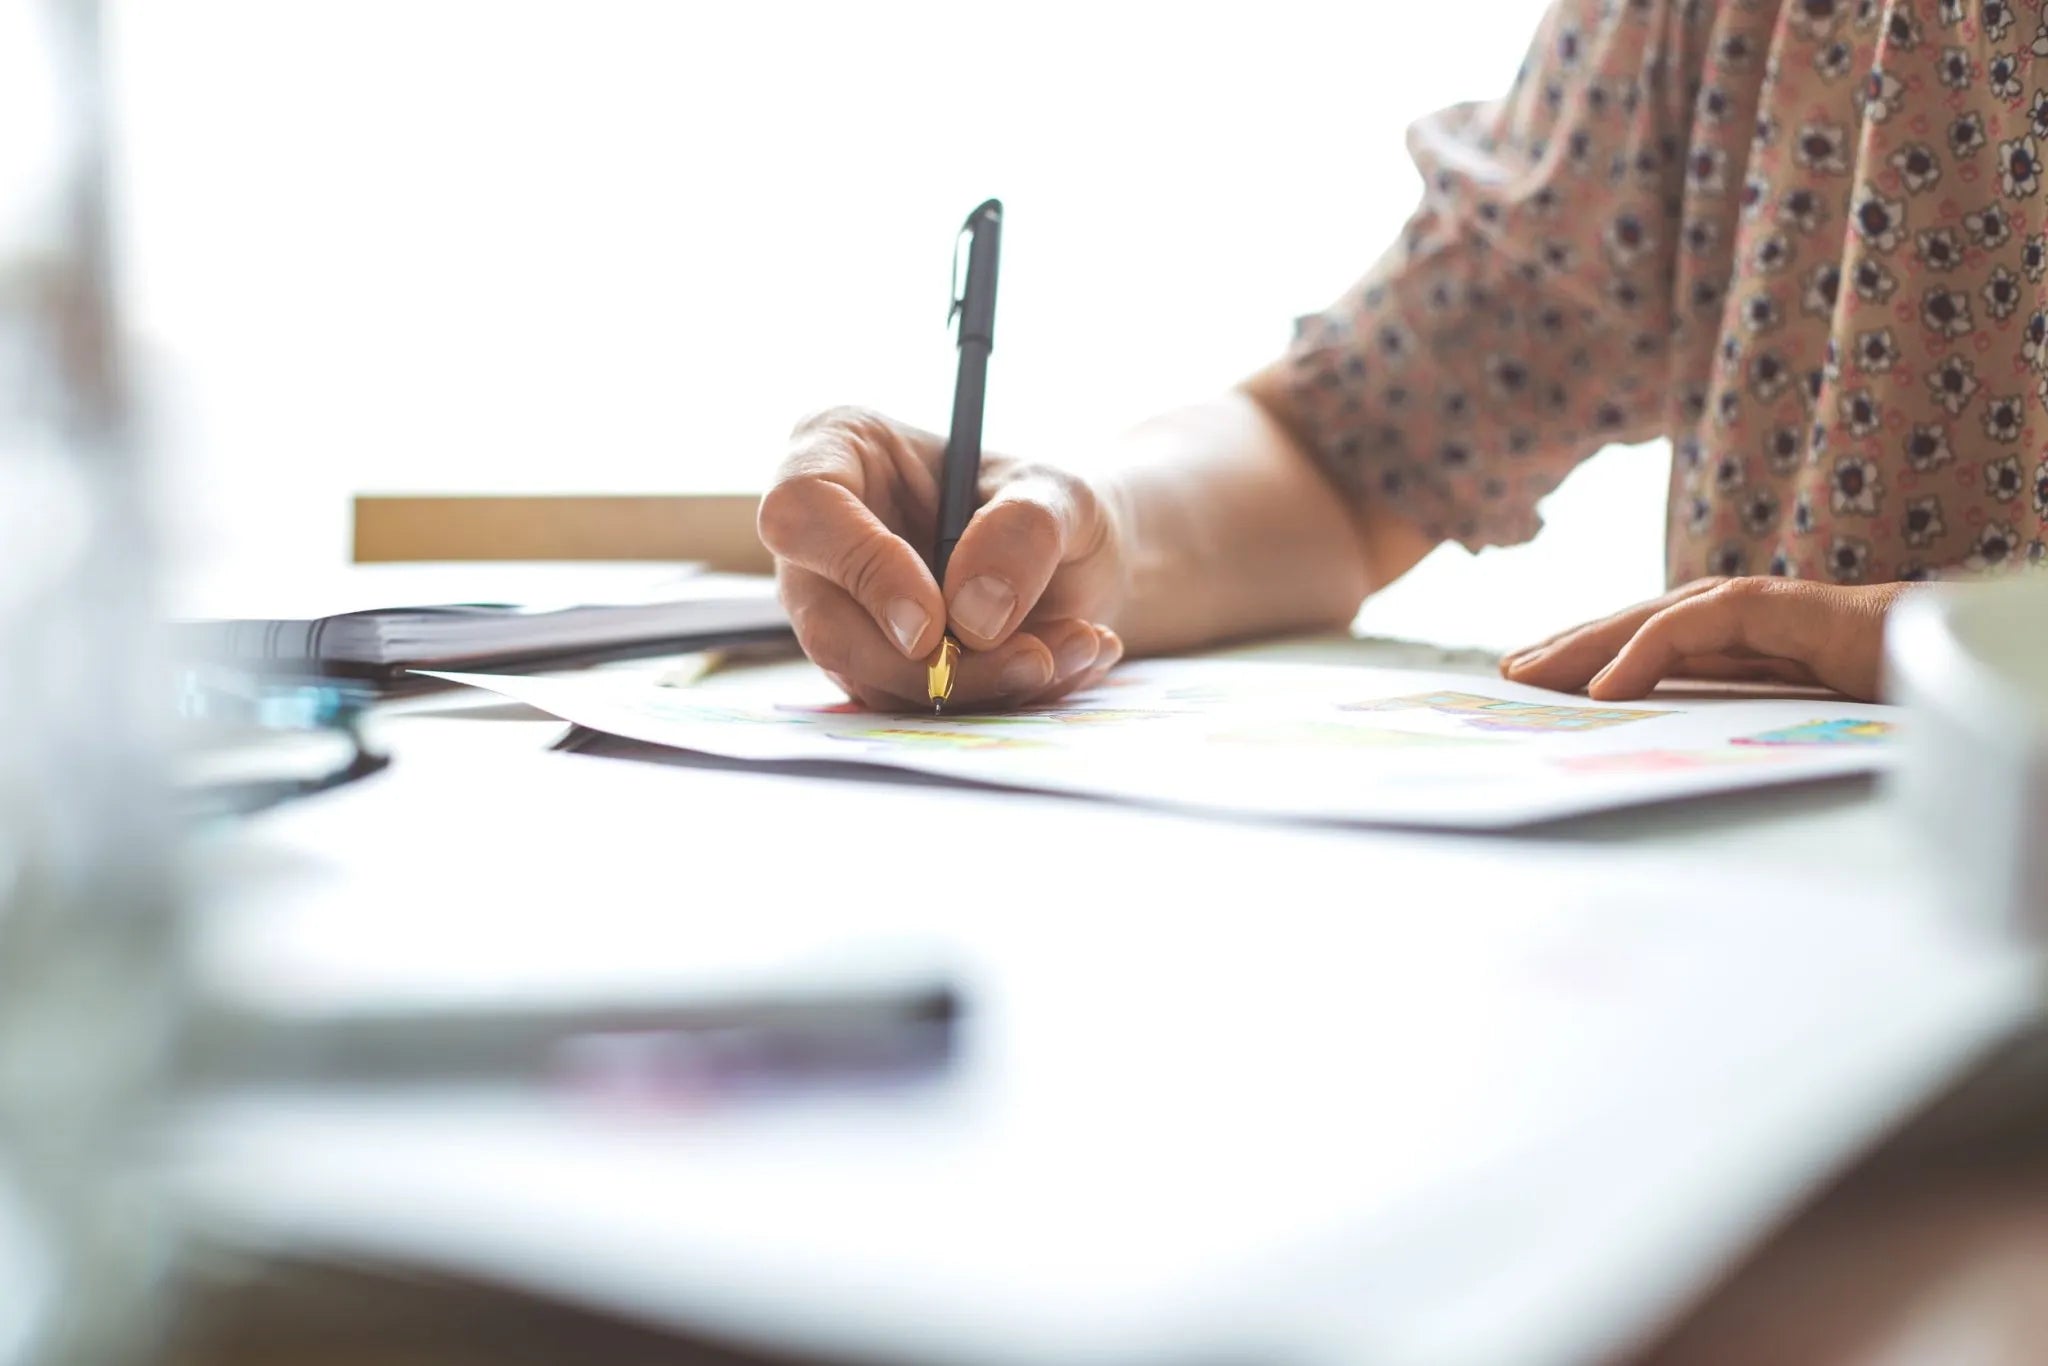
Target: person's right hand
1029, 591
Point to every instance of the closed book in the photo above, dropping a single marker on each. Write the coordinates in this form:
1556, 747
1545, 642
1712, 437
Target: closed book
382, 619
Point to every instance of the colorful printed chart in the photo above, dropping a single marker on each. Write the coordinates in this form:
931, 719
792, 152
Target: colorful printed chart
1313, 741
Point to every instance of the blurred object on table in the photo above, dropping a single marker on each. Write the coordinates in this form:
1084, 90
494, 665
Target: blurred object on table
89, 939
247, 742
1971, 660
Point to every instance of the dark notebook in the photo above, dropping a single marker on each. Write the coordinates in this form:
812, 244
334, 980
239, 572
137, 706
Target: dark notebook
379, 621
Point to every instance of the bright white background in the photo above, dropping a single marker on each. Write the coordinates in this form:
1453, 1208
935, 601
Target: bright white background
478, 245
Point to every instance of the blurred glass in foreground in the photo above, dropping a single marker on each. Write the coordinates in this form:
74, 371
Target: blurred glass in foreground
87, 934
1971, 788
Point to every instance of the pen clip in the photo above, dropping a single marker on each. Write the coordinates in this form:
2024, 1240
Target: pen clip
959, 281
990, 209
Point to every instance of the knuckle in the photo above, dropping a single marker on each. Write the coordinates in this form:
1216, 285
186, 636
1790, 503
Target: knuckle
1032, 473
1081, 495
1056, 488
1738, 592
1671, 618
1085, 510
783, 518
1031, 526
1763, 591
836, 440
862, 567
845, 417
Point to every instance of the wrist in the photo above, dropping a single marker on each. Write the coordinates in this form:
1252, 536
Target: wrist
1122, 601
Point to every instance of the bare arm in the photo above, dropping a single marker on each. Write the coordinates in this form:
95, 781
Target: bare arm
1230, 530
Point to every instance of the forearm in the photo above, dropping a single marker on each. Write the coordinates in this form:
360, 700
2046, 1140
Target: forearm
1230, 531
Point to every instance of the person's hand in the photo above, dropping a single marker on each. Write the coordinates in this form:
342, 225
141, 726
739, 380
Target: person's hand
1767, 629
1029, 591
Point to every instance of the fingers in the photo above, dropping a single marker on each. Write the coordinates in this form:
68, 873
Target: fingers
1042, 660
1111, 650
1034, 523
1747, 618
1566, 661
1085, 655
1073, 644
821, 527
1779, 630
844, 641
1742, 668
1835, 633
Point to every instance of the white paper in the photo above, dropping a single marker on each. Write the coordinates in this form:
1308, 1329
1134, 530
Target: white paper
1308, 742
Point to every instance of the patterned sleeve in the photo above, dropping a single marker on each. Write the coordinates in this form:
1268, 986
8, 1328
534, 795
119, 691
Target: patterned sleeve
1521, 321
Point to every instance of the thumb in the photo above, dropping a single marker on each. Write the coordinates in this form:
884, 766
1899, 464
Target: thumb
1010, 551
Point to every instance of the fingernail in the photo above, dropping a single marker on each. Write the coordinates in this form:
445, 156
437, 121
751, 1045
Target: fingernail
1024, 674
1076, 655
982, 605
1110, 647
1597, 678
1521, 660
906, 622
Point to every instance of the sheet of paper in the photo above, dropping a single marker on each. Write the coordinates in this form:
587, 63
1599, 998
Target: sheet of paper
1309, 742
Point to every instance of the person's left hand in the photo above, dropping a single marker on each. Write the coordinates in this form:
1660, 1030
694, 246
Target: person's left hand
1765, 629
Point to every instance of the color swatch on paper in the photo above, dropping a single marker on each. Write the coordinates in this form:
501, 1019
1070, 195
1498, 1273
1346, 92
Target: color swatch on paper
1514, 718
1840, 731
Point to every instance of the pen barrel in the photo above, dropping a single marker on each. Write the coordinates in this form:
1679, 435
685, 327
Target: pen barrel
974, 305
959, 484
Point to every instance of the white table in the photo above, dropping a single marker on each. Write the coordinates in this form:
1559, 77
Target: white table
1226, 1091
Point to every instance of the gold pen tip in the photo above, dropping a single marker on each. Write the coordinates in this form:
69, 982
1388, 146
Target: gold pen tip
939, 673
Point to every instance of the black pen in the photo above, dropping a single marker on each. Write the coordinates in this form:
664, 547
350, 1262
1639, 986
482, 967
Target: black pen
974, 304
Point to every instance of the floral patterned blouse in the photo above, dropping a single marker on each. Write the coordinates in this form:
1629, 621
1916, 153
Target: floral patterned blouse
1804, 239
